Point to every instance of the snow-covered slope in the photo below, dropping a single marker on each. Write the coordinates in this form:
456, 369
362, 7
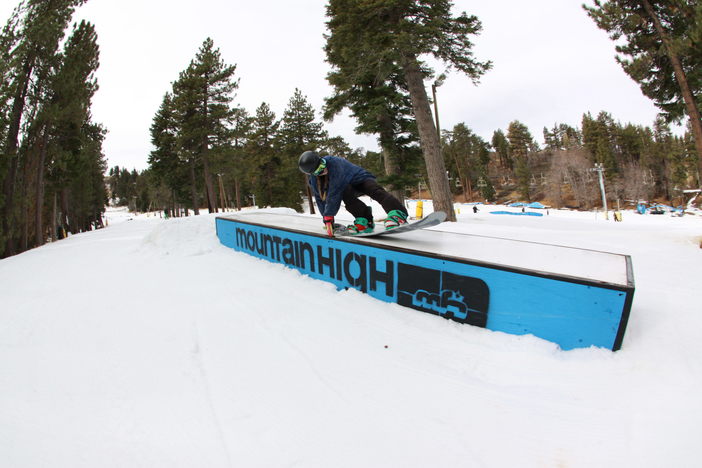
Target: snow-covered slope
150, 344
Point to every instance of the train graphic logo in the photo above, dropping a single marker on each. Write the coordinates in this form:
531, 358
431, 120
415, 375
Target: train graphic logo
461, 298
450, 304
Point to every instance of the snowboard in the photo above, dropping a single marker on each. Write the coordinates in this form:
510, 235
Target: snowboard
437, 217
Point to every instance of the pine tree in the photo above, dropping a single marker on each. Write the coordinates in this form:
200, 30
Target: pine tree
468, 155
8, 41
166, 161
501, 146
235, 167
298, 132
68, 132
660, 51
521, 143
397, 34
561, 137
381, 107
202, 98
264, 160
34, 33
599, 140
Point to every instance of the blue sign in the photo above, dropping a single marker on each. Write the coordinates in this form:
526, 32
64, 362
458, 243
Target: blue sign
568, 312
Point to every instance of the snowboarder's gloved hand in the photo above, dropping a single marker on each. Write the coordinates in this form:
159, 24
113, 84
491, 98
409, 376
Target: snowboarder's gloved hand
329, 225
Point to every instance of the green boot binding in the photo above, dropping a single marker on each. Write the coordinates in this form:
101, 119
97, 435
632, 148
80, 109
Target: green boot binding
395, 218
361, 225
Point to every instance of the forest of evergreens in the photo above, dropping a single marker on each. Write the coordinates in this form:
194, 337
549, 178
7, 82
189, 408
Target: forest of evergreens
211, 153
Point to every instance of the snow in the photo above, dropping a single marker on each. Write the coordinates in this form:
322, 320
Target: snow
150, 344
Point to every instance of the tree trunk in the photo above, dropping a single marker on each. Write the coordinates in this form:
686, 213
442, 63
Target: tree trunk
66, 224
39, 221
222, 195
237, 194
12, 143
53, 219
436, 169
193, 187
209, 186
24, 240
689, 99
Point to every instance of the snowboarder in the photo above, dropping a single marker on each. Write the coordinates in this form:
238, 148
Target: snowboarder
334, 179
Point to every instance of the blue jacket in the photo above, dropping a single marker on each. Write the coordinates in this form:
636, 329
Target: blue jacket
341, 174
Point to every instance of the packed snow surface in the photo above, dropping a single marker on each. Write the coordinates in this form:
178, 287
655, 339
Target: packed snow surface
149, 344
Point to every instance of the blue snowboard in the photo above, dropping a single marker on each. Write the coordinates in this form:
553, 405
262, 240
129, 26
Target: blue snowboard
432, 219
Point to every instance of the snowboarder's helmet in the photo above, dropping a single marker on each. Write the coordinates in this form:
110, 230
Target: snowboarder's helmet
310, 162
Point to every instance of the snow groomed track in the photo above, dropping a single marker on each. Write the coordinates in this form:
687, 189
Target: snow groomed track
573, 297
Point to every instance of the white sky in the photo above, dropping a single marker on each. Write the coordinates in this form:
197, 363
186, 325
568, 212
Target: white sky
277, 47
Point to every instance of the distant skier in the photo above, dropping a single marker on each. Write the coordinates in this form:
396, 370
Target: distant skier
334, 179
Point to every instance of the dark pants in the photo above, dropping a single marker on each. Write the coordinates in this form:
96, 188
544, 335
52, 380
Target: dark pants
371, 188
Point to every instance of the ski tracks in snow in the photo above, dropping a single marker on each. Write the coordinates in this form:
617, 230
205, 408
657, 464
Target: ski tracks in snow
309, 362
197, 356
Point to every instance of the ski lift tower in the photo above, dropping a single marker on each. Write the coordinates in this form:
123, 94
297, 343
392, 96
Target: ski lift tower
599, 168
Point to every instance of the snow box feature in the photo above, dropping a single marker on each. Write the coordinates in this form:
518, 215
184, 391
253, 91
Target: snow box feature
416, 270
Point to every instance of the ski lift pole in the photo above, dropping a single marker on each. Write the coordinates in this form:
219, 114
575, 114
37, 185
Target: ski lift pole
600, 169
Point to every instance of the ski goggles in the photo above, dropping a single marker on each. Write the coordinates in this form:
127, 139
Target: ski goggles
320, 168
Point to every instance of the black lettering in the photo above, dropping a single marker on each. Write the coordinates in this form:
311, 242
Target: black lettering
328, 261
277, 241
267, 240
359, 282
289, 252
260, 246
306, 247
338, 263
387, 276
241, 238
251, 241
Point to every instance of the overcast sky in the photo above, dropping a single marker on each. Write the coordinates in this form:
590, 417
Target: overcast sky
550, 65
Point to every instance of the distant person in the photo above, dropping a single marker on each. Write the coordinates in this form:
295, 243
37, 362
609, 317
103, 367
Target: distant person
475, 209
334, 179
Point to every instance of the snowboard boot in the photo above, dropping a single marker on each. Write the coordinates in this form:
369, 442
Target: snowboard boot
395, 218
361, 225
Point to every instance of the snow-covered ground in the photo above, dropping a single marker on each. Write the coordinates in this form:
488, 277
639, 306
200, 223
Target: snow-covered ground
149, 344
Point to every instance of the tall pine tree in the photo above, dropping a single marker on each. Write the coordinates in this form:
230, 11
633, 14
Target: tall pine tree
661, 52
264, 159
299, 131
205, 92
34, 33
521, 143
166, 159
393, 35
